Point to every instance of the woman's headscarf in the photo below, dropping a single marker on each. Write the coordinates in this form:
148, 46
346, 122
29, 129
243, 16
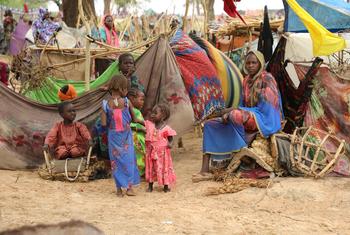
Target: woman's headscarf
261, 59
67, 93
42, 12
108, 32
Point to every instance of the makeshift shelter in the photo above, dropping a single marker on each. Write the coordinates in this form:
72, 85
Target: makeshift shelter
313, 95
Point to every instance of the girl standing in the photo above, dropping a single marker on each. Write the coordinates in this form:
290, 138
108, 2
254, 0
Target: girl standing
159, 137
126, 64
137, 98
117, 114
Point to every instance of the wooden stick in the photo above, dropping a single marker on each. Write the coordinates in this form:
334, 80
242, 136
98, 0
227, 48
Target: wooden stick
318, 150
331, 163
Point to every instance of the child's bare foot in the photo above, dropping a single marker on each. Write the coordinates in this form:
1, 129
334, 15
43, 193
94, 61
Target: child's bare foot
166, 189
150, 188
119, 192
130, 192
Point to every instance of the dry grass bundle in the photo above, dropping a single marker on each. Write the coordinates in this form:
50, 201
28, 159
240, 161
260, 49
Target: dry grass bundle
234, 185
28, 70
237, 28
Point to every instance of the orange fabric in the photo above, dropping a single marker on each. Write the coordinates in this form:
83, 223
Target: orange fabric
71, 94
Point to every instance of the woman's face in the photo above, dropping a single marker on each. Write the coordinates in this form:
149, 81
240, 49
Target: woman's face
252, 64
109, 22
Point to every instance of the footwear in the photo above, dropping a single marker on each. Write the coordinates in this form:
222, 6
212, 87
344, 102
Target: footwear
120, 192
130, 192
166, 189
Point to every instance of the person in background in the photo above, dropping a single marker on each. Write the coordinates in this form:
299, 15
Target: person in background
108, 33
137, 98
43, 28
127, 68
9, 24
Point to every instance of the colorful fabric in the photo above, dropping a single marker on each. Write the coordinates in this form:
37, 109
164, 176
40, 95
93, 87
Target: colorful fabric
261, 102
294, 100
329, 110
199, 76
18, 37
69, 95
139, 142
135, 83
159, 165
68, 140
324, 42
43, 29
4, 73
121, 147
229, 75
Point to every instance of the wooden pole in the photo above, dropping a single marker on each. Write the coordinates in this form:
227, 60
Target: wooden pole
184, 19
204, 3
87, 52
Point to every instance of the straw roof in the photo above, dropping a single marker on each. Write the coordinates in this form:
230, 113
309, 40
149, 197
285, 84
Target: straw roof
236, 27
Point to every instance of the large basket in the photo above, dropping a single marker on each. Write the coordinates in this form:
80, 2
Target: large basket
312, 151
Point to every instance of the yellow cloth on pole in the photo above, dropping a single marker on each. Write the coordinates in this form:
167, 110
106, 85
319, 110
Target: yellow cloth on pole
324, 42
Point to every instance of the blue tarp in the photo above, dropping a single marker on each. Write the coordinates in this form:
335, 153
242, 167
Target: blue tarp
334, 15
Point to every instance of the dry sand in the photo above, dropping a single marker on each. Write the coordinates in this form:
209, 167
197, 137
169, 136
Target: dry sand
289, 206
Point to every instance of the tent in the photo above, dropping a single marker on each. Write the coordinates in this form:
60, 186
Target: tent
334, 15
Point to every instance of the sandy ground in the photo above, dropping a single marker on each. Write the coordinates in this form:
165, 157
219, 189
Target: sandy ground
289, 206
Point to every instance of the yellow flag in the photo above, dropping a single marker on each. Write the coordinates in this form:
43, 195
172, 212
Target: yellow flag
324, 42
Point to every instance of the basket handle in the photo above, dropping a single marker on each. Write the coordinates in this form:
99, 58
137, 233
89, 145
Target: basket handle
78, 171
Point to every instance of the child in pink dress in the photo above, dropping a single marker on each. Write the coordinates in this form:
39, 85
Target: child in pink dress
159, 137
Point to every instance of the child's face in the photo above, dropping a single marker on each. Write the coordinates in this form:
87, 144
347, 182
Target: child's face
127, 65
139, 100
69, 113
156, 114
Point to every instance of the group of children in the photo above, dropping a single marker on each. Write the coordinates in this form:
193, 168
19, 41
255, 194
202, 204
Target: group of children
136, 147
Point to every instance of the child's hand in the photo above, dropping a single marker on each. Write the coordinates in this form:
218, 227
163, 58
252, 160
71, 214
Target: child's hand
46, 147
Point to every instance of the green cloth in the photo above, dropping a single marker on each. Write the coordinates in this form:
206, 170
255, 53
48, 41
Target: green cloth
139, 142
47, 94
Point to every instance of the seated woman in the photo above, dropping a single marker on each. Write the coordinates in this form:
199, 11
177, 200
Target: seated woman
260, 112
68, 138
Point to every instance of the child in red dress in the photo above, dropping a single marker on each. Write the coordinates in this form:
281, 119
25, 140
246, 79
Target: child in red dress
159, 137
68, 138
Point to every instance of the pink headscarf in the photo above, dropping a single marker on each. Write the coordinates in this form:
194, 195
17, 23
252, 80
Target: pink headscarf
115, 42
